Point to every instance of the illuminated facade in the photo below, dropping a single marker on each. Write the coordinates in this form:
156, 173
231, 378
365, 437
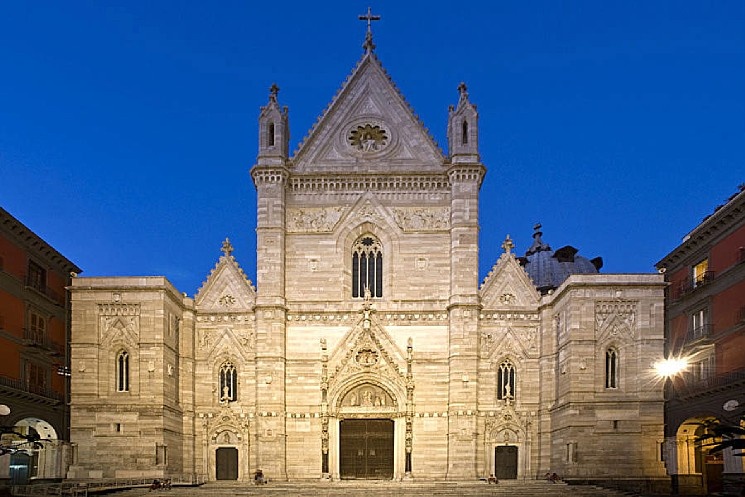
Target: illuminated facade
369, 348
705, 326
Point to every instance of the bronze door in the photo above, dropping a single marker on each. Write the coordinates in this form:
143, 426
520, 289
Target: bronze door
366, 449
505, 462
226, 460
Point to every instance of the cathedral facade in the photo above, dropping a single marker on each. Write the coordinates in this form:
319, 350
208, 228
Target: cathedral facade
368, 347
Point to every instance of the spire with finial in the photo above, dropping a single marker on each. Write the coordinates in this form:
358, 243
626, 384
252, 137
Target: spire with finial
227, 247
463, 90
369, 46
273, 90
508, 245
538, 245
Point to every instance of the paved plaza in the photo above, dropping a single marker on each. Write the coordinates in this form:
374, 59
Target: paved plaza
513, 488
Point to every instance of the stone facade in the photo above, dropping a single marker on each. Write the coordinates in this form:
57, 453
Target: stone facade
367, 312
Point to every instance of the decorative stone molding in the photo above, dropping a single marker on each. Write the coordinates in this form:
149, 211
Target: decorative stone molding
119, 321
269, 175
615, 318
510, 316
422, 218
310, 220
374, 183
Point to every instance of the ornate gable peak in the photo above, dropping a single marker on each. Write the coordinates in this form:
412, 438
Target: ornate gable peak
227, 287
347, 105
508, 274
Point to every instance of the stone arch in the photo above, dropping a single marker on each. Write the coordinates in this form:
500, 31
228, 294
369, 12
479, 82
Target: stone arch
217, 363
108, 370
694, 468
32, 425
340, 392
350, 230
517, 366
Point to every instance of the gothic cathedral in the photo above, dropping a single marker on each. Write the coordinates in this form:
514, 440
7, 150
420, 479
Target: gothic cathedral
368, 348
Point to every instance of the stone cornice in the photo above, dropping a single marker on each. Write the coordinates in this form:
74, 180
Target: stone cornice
34, 244
338, 182
269, 174
724, 219
458, 173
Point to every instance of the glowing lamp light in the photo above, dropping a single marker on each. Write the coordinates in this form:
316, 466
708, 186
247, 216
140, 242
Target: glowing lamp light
670, 367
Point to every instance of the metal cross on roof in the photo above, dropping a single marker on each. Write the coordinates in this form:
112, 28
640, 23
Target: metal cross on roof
369, 46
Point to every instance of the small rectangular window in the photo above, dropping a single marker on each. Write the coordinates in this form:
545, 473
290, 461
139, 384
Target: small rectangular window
36, 277
117, 427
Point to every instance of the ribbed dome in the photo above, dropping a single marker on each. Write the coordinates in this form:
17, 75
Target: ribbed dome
548, 269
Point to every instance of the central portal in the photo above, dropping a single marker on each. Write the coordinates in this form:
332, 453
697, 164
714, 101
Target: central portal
366, 448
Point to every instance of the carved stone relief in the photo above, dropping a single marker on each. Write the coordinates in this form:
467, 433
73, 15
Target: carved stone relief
367, 396
615, 319
119, 321
319, 220
422, 218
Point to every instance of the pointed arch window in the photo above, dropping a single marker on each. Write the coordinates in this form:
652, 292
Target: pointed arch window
367, 267
464, 133
122, 371
228, 382
506, 381
270, 135
611, 368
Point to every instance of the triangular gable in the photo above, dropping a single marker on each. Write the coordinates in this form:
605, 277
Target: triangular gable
507, 345
368, 124
226, 288
368, 209
367, 348
507, 285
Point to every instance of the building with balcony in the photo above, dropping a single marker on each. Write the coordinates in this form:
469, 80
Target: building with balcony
34, 332
705, 326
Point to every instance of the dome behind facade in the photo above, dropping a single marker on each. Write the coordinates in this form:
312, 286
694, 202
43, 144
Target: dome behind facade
548, 268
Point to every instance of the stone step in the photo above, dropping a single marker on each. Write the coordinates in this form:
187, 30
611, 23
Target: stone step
511, 488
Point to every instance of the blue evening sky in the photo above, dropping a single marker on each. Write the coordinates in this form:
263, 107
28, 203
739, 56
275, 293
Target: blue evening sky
128, 127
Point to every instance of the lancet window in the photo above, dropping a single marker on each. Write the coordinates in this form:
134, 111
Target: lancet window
611, 368
122, 371
506, 381
228, 382
367, 267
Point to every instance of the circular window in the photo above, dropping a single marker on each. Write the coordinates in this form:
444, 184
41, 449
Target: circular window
368, 138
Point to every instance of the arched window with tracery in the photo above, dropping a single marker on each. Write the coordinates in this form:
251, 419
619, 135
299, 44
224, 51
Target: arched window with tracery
506, 381
367, 267
228, 382
464, 133
122, 371
611, 368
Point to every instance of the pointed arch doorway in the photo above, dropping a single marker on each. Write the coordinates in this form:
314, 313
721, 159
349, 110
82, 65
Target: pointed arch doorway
366, 449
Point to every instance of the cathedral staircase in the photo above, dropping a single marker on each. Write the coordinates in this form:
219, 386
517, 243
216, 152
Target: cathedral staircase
511, 488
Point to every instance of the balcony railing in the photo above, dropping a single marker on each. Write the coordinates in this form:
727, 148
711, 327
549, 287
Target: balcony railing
690, 284
44, 290
36, 338
698, 333
687, 385
23, 386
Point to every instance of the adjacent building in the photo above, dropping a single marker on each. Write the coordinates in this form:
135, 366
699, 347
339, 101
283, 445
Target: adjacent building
705, 327
34, 332
368, 347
